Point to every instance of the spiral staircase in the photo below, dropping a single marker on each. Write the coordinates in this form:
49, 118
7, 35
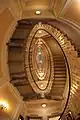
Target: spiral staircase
16, 50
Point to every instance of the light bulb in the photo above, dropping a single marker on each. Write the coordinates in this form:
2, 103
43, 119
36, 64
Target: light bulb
38, 12
43, 105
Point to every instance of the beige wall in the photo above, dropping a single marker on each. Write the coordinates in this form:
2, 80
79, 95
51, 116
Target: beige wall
72, 12
5, 20
8, 93
4, 26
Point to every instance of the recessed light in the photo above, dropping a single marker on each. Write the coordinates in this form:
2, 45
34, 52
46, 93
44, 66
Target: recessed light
38, 12
42, 85
70, 112
39, 31
43, 105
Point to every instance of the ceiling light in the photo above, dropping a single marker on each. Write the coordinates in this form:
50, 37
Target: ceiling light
42, 85
43, 105
38, 12
39, 31
3, 105
70, 112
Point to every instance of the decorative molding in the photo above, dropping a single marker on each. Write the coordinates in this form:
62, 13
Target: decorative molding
15, 92
2, 9
67, 5
70, 22
4, 58
18, 110
3, 6
3, 85
15, 9
4, 54
27, 59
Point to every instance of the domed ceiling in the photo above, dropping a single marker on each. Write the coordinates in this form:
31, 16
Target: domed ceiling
38, 67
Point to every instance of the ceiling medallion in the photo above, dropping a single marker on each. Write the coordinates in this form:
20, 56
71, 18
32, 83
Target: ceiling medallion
39, 62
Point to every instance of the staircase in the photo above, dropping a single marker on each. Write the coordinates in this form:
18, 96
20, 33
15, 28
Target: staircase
16, 59
17, 67
59, 69
59, 77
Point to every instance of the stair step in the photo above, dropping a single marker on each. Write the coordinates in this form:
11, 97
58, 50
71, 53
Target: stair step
58, 83
15, 45
20, 84
16, 67
59, 61
59, 69
19, 77
15, 61
18, 73
59, 72
18, 80
18, 40
21, 33
15, 49
57, 90
59, 75
59, 79
58, 65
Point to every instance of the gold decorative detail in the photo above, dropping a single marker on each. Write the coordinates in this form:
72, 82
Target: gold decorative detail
39, 62
60, 38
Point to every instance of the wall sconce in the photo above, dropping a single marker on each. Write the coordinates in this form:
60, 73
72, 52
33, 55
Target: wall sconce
3, 105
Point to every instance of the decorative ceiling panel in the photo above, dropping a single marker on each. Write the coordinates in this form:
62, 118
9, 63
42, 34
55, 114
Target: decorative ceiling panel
59, 5
72, 12
34, 4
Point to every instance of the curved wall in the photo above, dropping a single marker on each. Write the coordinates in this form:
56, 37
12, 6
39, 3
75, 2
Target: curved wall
6, 30
7, 92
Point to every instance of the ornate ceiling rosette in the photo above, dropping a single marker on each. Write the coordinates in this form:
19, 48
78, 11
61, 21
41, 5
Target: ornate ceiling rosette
39, 62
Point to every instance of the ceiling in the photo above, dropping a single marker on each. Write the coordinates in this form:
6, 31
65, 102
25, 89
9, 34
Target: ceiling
61, 9
68, 10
